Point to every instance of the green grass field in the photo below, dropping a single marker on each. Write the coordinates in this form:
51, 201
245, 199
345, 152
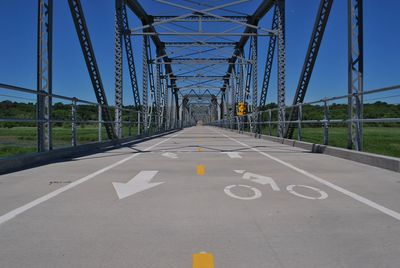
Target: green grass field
20, 140
379, 140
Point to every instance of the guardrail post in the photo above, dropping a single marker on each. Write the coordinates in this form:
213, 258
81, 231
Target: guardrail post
300, 117
269, 122
326, 125
130, 124
100, 123
73, 125
138, 122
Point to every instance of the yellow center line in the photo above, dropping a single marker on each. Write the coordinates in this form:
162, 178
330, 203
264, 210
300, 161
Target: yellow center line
199, 149
203, 260
200, 170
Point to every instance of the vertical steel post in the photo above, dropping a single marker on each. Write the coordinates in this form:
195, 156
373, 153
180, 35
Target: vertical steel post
270, 59
158, 95
254, 58
299, 118
100, 122
326, 126
269, 122
145, 84
73, 124
118, 68
355, 73
44, 75
281, 66
138, 122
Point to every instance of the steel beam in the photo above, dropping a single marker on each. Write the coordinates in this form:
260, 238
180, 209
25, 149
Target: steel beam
281, 67
270, 59
91, 63
138, 10
118, 67
130, 59
44, 74
309, 62
200, 17
145, 89
355, 73
260, 12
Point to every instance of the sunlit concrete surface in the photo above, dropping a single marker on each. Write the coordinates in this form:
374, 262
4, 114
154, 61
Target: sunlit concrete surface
248, 202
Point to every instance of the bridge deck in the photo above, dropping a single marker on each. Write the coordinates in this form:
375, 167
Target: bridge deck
347, 218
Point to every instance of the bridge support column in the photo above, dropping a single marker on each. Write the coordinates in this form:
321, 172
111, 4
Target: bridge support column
118, 68
44, 75
281, 66
355, 74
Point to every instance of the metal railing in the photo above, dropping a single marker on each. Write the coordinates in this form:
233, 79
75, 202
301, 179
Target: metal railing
265, 121
132, 118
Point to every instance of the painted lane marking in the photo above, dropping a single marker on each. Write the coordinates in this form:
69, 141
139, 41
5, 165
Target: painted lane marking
233, 155
323, 195
203, 260
200, 170
260, 179
139, 183
13, 213
199, 149
170, 155
257, 193
359, 198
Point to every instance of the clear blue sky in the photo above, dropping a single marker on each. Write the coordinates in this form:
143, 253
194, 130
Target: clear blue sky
18, 46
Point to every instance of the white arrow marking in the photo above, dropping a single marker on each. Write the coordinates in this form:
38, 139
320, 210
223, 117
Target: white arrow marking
233, 155
139, 183
264, 180
170, 155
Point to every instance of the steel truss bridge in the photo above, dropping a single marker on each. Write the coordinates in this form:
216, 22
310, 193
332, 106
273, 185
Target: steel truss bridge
218, 193
186, 62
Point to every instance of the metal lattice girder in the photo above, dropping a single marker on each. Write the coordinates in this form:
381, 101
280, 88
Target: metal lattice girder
130, 59
118, 68
261, 10
311, 57
355, 73
281, 66
146, 20
145, 77
91, 63
158, 93
44, 74
241, 79
249, 69
270, 59
200, 44
200, 17
151, 79
254, 54
214, 108
232, 87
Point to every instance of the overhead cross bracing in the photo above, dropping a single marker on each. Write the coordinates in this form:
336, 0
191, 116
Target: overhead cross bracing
195, 46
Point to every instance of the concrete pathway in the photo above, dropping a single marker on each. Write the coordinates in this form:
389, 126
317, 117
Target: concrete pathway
250, 203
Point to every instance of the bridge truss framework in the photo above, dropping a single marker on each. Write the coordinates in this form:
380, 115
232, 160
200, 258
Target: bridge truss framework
182, 70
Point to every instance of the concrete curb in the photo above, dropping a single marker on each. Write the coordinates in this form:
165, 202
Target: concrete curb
13, 164
376, 160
